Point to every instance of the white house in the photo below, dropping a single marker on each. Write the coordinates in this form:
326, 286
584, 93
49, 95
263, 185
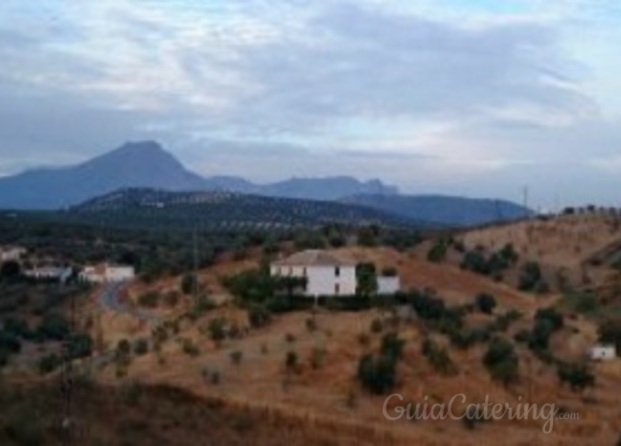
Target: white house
107, 273
11, 253
602, 352
326, 274
388, 284
49, 273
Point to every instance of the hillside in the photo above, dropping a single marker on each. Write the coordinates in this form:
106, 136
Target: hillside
329, 393
450, 211
150, 208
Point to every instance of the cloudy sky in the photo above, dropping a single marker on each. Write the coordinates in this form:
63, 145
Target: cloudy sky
471, 97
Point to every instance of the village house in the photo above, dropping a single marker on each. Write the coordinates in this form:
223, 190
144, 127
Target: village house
11, 253
602, 352
325, 273
328, 274
55, 273
105, 273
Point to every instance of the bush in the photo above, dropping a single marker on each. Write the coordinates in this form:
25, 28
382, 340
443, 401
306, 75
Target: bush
377, 374
49, 363
291, 361
318, 358
23, 428
54, 327
188, 284
149, 300
190, 348
531, 278
259, 316
392, 346
236, 357
438, 358
610, 333
485, 303
311, 324
217, 329
576, 375
501, 361
377, 325
141, 347
438, 251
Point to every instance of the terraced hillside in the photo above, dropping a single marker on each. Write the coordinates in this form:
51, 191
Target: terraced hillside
148, 208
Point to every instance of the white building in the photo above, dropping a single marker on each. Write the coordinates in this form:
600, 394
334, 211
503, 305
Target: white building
49, 273
388, 284
326, 274
11, 253
602, 352
107, 273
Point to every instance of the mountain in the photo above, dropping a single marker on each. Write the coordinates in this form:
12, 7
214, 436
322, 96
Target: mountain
333, 188
135, 164
158, 209
444, 210
146, 164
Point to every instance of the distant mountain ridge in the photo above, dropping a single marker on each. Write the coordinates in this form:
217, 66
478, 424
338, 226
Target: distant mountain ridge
146, 164
444, 210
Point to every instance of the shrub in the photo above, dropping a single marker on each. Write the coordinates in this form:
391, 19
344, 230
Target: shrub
577, 376
392, 346
531, 278
485, 303
377, 325
377, 374
49, 363
141, 347
610, 332
290, 338
190, 348
501, 361
311, 324
217, 329
236, 357
438, 251
54, 327
291, 361
150, 299
259, 316
318, 358
23, 428
438, 358
188, 284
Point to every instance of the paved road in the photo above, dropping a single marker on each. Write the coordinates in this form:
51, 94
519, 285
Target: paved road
109, 299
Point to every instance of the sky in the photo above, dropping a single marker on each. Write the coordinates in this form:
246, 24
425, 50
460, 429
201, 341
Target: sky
466, 97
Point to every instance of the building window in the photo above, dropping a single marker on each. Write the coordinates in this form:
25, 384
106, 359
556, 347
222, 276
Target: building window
337, 271
337, 289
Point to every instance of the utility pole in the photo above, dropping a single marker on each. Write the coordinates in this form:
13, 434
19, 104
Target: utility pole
195, 256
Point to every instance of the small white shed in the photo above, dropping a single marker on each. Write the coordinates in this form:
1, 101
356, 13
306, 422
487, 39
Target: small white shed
602, 352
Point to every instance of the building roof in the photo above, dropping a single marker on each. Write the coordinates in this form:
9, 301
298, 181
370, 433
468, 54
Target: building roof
314, 257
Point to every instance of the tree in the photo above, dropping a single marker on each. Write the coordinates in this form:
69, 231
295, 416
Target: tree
367, 279
610, 332
10, 270
577, 376
377, 373
438, 251
501, 361
188, 284
485, 303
